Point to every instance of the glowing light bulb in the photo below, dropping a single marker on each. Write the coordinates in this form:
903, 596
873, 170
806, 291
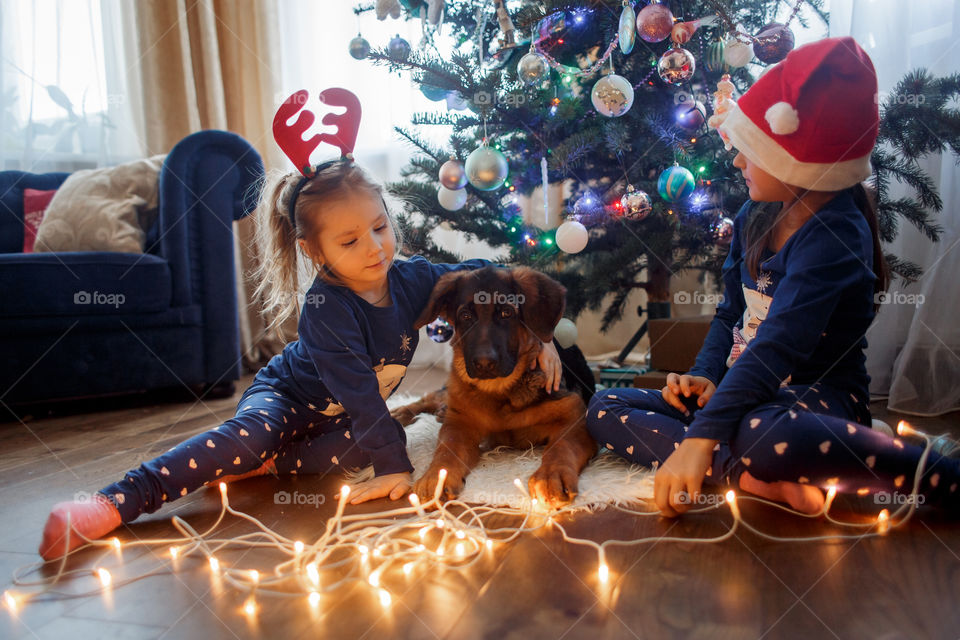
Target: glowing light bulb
489, 544
313, 598
419, 548
439, 522
731, 498
442, 475
254, 576
250, 606
459, 549
10, 600
440, 551
116, 543
105, 577
374, 578
385, 598
460, 534
313, 574
423, 532
298, 547
364, 550
223, 489
378, 551
831, 494
174, 552
214, 564
904, 429
883, 522
407, 568
603, 572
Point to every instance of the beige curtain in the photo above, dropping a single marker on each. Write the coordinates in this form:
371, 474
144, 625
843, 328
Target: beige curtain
212, 64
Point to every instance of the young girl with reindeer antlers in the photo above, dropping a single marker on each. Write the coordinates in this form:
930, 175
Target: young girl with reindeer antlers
319, 406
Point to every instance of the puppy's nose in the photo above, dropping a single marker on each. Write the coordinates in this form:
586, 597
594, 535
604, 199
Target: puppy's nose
485, 365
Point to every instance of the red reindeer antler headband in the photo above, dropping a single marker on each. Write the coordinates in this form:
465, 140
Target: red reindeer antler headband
290, 136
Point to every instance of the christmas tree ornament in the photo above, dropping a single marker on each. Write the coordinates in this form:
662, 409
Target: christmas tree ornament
676, 65
433, 94
655, 22
451, 199
398, 48
675, 183
690, 115
440, 330
452, 174
722, 103
572, 237
773, 43
565, 333
612, 95
455, 101
390, 8
509, 39
434, 11
486, 168
636, 204
587, 205
628, 28
736, 53
532, 67
722, 230
683, 31
713, 60
359, 48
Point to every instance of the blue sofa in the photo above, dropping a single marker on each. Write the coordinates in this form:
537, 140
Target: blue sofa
85, 323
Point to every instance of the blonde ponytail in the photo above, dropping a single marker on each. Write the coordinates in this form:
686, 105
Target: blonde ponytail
278, 271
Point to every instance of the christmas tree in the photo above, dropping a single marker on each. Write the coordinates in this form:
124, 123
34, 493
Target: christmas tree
611, 99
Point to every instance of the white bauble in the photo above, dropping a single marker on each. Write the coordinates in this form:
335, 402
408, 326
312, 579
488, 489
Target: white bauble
612, 95
572, 236
451, 199
566, 333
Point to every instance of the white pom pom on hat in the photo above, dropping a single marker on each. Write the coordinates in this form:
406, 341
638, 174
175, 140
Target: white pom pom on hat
782, 118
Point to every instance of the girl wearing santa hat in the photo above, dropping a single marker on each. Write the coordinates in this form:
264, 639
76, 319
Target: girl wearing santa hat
777, 402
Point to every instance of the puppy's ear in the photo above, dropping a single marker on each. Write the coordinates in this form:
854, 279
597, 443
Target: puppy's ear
543, 301
442, 299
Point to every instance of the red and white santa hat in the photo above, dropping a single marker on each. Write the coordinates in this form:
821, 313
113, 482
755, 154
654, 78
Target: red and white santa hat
812, 119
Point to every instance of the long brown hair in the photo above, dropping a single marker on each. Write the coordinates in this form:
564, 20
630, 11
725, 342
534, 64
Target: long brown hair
282, 268
763, 215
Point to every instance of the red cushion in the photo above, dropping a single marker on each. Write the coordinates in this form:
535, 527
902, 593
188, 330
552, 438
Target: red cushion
35, 204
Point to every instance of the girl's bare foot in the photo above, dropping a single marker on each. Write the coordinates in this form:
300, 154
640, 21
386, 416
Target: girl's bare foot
802, 497
91, 520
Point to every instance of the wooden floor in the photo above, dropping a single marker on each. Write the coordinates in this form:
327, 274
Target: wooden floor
905, 585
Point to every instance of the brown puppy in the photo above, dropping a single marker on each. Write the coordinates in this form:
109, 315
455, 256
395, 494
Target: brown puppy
500, 318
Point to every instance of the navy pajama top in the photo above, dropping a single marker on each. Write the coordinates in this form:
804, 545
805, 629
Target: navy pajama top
351, 355
801, 321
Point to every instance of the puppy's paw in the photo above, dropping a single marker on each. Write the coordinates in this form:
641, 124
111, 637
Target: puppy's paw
555, 486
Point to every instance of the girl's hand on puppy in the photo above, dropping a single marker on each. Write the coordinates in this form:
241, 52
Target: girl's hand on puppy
687, 385
395, 485
549, 361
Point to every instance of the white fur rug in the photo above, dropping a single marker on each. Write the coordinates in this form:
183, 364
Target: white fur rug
607, 479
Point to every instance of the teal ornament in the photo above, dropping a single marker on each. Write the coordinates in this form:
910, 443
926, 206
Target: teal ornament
486, 168
713, 59
433, 94
628, 28
676, 183
359, 48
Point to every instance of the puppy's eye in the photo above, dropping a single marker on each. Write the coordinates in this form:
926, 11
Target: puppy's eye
465, 315
506, 312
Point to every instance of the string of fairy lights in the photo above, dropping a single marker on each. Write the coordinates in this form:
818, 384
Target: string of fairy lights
385, 550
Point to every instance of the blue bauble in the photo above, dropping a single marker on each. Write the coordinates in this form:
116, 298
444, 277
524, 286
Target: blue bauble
676, 183
433, 94
440, 330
